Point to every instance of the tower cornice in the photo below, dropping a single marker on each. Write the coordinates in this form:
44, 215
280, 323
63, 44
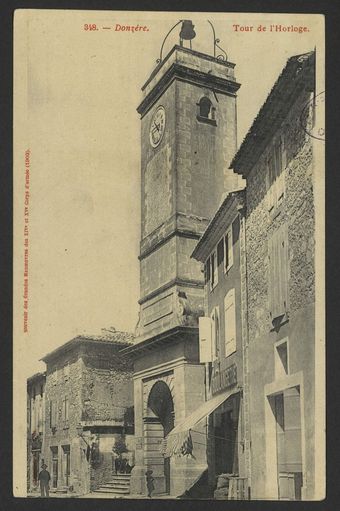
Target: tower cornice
220, 79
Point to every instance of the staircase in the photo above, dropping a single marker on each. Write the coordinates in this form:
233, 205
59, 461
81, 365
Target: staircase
119, 485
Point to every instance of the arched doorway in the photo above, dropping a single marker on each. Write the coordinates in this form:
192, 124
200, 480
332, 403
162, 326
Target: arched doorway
161, 421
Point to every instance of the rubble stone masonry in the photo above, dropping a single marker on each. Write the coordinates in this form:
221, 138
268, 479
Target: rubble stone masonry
297, 213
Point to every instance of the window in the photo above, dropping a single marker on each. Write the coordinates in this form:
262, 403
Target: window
213, 270
281, 359
206, 111
278, 275
276, 164
205, 107
215, 332
230, 322
65, 409
66, 372
40, 418
228, 250
53, 414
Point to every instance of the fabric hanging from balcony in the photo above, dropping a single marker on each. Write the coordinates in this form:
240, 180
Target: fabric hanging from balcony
179, 442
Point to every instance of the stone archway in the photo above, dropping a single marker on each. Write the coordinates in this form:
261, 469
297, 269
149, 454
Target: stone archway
158, 422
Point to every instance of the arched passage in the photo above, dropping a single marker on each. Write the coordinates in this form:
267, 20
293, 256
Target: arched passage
158, 423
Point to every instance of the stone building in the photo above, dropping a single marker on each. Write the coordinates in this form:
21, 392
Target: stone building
221, 249
35, 428
188, 138
277, 159
89, 407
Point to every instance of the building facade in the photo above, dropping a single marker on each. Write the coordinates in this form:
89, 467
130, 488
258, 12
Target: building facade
222, 342
188, 137
89, 408
278, 162
35, 428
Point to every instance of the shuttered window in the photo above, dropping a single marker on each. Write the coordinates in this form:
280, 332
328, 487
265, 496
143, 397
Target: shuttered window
213, 270
228, 250
53, 414
220, 252
207, 271
215, 332
205, 341
65, 409
276, 164
230, 323
278, 273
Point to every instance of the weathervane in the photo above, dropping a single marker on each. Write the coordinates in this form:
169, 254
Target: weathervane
188, 33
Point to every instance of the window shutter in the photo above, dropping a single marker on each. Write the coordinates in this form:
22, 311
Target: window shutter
228, 249
212, 269
280, 188
230, 323
51, 414
40, 418
271, 183
207, 270
284, 268
270, 277
278, 277
278, 273
283, 153
205, 339
220, 251
213, 334
66, 408
217, 332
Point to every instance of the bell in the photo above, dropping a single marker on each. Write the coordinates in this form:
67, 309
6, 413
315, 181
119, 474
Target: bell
187, 30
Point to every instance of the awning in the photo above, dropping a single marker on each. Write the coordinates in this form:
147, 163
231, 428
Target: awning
179, 440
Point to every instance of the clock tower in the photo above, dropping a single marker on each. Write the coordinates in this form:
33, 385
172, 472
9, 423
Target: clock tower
188, 138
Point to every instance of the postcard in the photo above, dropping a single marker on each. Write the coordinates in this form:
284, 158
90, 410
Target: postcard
169, 336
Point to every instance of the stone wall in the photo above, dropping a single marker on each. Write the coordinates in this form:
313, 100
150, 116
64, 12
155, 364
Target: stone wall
204, 151
297, 213
107, 389
61, 383
98, 384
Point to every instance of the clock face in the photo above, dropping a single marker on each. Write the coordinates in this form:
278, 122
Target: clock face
157, 126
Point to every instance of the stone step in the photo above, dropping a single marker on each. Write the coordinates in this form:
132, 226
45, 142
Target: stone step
113, 491
115, 485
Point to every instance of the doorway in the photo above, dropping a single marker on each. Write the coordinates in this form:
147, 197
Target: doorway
161, 411
225, 436
66, 464
288, 443
54, 453
36, 468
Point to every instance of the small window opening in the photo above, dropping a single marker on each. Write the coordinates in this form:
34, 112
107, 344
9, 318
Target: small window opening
281, 360
206, 111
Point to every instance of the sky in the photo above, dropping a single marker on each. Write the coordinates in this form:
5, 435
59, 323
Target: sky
75, 100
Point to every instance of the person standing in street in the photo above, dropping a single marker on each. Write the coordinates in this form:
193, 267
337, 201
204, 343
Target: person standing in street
44, 479
149, 482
